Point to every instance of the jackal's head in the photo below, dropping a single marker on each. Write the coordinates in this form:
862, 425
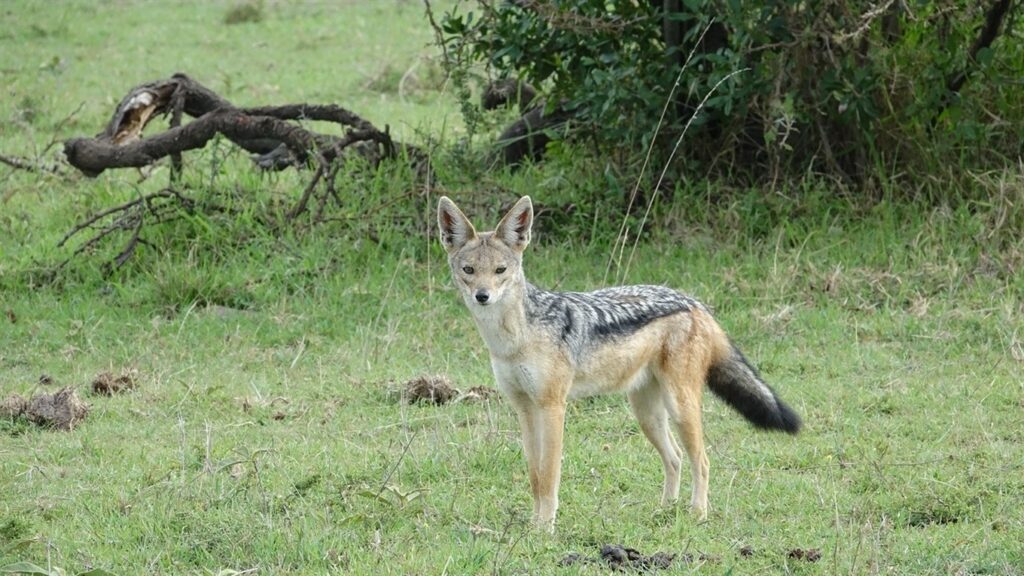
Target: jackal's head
486, 266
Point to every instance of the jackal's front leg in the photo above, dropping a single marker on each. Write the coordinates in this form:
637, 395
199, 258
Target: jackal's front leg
531, 450
549, 423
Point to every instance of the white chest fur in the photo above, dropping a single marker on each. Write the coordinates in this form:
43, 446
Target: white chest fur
517, 378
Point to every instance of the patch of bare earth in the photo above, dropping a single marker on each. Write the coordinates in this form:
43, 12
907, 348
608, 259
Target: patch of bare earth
62, 410
430, 389
621, 559
808, 555
107, 384
438, 390
477, 394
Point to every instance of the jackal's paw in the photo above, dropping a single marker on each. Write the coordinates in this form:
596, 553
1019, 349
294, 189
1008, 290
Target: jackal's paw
546, 526
699, 511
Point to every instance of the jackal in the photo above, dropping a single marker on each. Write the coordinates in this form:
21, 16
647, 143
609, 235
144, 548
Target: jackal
658, 346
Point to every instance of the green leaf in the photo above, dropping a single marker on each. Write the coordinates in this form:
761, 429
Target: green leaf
984, 56
453, 25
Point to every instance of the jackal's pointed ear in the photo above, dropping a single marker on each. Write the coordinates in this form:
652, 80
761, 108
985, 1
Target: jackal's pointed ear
514, 228
453, 225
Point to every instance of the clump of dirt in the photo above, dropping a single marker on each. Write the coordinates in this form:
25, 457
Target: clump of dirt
13, 406
242, 13
623, 559
436, 390
810, 555
62, 410
430, 389
747, 551
477, 394
107, 384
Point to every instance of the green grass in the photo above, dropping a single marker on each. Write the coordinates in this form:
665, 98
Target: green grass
260, 436
264, 433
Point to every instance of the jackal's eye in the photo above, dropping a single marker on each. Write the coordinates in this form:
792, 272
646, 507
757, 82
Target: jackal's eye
500, 270
467, 269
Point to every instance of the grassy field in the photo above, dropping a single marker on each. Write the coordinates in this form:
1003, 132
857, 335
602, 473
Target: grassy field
265, 434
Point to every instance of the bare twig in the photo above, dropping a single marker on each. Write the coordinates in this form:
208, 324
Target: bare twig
438, 33
120, 208
19, 163
329, 192
391, 472
129, 247
668, 162
300, 206
866, 20
650, 149
57, 129
36, 166
149, 209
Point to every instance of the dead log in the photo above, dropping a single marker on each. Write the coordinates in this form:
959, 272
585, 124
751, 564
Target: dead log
508, 91
268, 132
528, 136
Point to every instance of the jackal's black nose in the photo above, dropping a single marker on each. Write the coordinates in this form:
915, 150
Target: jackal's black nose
482, 297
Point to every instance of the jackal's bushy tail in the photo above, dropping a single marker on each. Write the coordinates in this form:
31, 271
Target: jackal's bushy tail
736, 381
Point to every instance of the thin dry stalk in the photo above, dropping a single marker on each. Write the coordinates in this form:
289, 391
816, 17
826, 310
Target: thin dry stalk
620, 239
657, 187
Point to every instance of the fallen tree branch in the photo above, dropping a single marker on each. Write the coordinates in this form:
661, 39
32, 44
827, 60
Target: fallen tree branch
269, 132
94, 155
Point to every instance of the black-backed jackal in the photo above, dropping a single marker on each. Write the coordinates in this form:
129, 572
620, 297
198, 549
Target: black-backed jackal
658, 346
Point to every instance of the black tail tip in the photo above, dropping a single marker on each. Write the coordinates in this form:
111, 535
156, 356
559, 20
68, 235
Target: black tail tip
787, 420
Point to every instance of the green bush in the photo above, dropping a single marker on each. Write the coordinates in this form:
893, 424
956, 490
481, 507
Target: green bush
849, 89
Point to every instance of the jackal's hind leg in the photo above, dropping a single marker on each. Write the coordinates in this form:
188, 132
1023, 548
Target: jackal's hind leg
649, 409
688, 423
